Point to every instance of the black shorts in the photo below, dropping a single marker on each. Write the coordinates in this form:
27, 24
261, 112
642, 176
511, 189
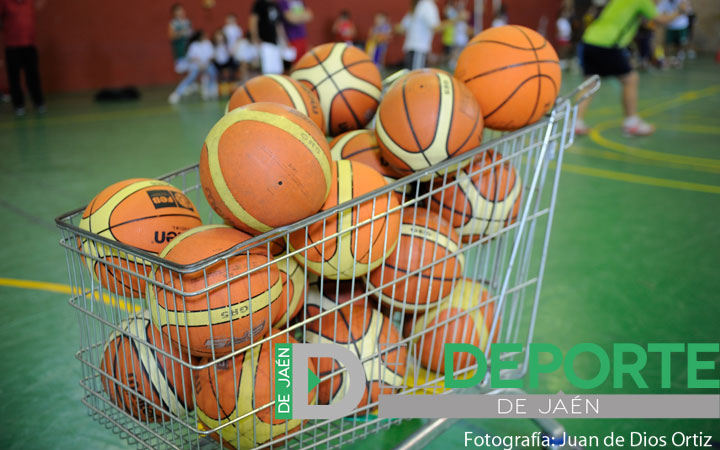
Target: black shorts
606, 62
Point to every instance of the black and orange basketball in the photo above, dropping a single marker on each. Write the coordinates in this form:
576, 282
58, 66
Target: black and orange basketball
233, 388
513, 72
362, 146
143, 213
425, 118
359, 238
265, 165
486, 197
345, 80
425, 237
218, 316
143, 372
367, 333
279, 89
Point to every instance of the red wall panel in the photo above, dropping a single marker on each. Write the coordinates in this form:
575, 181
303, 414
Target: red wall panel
87, 44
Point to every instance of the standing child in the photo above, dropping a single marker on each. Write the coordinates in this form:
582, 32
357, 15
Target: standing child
179, 31
462, 31
224, 63
448, 31
199, 59
344, 29
378, 39
564, 36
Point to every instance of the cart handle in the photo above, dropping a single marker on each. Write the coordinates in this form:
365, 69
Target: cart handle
586, 89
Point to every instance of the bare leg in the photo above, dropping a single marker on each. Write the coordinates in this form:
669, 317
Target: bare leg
629, 93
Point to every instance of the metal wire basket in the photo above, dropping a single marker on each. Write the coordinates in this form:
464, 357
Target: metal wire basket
506, 260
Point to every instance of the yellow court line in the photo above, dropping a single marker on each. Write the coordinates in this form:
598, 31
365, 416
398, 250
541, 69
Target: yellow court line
623, 157
641, 179
688, 128
65, 289
693, 161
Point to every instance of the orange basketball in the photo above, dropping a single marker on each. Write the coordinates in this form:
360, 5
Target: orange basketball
345, 80
292, 297
486, 197
144, 372
230, 313
143, 213
464, 318
355, 249
265, 165
424, 238
362, 146
425, 118
231, 389
367, 333
279, 89
514, 74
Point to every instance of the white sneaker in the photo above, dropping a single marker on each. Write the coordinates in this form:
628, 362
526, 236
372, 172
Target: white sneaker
635, 126
581, 129
174, 98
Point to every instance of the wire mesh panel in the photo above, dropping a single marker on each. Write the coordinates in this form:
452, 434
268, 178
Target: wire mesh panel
179, 354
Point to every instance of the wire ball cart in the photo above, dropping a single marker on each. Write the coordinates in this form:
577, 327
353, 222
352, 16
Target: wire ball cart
477, 281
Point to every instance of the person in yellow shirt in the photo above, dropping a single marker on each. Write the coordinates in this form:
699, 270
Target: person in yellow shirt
605, 53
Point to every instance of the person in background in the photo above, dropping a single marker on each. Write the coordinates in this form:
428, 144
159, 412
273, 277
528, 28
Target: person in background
419, 26
232, 30
18, 27
643, 42
179, 31
199, 59
296, 16
605, 53
501, 17
564, 36
267, 33
344, 29
676, 31
462, 31
378, 39
447, 35
224, 62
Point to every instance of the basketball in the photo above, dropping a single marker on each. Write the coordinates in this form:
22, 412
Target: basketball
362, 146
426, 118
231, 389
291, 299
141, 370
328, 293
486, 198
425, 240
458, 320
345, 80
143, 213
265, 165
279, 89
367, 333
224, 316
366, 234
514, 74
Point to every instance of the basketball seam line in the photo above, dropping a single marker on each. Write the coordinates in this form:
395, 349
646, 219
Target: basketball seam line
506, 44
149, 379
357, 152
421, 275
110, 228
517, 89
330, 75
407, 117
247, 91
452, 117
161, 368
511, 66
539, 71
337, 88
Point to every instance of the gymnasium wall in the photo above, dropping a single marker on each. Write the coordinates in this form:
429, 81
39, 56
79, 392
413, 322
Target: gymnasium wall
85, 44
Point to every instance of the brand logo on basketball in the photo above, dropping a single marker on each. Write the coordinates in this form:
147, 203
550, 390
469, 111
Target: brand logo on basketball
164, 236
167, 199
238, 341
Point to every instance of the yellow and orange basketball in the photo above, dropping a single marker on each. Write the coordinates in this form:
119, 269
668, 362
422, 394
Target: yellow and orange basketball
464, 318
231, 389
513, 72
369, 335
426, 118
217, 316
486, 197
279, 89
142, 213
359, 238
141, 371
426, 239
345, 80
265, 165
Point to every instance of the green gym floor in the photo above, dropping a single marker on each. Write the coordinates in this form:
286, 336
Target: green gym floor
634, 254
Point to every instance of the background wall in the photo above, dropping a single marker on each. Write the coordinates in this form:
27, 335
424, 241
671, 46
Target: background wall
86, 44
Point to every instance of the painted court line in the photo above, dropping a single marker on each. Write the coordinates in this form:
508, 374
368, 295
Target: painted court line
65, 289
